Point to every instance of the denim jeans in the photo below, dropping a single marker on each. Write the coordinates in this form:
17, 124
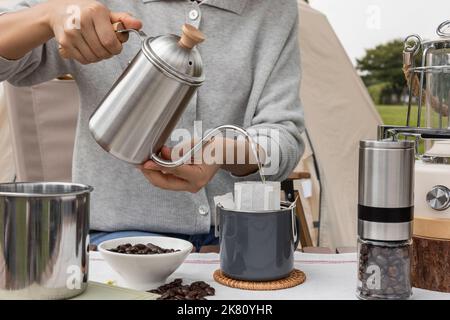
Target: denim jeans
198, 240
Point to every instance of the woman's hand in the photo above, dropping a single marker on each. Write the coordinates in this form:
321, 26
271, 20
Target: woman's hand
187, 177
193, 177
84, 31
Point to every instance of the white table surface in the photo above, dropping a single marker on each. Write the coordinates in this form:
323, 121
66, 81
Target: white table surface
328, 276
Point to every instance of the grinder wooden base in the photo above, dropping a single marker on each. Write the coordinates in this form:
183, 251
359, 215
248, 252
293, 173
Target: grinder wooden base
431, 264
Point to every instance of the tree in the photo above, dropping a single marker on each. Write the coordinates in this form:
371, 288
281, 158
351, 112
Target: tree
383, 65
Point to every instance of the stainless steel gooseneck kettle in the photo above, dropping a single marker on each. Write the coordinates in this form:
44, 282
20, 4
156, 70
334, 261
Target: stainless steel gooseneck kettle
144, 105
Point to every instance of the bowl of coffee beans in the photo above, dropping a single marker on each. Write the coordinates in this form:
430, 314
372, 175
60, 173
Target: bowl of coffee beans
145, 262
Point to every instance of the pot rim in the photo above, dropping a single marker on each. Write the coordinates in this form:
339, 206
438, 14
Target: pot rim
78, 189
285, 207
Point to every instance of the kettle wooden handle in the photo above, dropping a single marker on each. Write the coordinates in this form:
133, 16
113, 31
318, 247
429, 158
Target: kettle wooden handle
191, 37
121, 36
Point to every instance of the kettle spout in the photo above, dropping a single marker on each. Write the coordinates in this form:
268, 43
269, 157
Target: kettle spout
197, 147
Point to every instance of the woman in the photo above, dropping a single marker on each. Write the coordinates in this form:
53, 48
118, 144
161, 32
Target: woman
251, 62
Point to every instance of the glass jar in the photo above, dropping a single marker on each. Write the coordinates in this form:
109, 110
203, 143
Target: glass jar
384, 269
437, 83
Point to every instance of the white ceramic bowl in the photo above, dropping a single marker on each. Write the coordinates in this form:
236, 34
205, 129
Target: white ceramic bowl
144, 272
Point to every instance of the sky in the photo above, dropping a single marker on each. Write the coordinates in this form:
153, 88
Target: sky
362, 24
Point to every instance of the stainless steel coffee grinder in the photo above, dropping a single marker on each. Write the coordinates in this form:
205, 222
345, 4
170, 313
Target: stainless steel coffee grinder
427, 71
385, 218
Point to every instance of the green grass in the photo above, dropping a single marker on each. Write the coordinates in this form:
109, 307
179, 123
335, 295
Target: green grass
396, 114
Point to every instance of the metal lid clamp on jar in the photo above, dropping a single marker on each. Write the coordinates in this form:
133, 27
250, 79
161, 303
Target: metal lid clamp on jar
386, 184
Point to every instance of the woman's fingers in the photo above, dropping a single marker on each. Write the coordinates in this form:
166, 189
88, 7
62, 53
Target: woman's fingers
166, 153
166, 181
106, 35
127, 19
85, 50
78, 56
70, 52
90, 20
186, 172
92, 38
188, 177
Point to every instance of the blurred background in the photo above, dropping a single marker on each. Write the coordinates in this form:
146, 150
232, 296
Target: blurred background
372, 33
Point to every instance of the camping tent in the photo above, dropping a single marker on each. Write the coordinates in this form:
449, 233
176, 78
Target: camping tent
6, 155
338, 114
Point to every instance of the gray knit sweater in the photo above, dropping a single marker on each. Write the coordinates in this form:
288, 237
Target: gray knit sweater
252, 68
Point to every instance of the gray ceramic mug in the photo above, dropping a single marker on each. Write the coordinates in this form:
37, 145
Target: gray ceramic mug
257, 246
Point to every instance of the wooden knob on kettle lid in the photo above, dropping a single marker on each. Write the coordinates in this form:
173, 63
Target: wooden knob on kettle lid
191, 37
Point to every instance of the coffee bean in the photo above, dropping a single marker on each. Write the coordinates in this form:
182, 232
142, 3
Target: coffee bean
164, 296
191, 295
381, 260
185, 291
175, 290
210, 291
393, 264
375, 251
157, 291
141, 249
392, 271
364, 251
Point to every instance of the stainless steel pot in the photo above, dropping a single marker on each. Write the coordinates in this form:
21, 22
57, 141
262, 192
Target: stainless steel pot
44, 231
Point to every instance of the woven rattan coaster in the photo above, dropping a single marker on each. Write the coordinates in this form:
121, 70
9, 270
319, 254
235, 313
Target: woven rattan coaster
296, 278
